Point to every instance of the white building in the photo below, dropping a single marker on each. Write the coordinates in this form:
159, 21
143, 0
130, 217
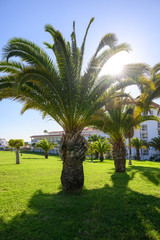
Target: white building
56, 137
147, 131
3, 143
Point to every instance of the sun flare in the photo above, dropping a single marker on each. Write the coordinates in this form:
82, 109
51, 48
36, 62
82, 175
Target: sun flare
115, 65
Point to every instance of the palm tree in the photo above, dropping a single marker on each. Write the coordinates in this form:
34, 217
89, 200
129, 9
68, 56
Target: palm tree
138, 144
93, 138
155, 142
62, 91
91, 150
45, 146
16, 143
102, 147
116, 122
130, 135
45, 131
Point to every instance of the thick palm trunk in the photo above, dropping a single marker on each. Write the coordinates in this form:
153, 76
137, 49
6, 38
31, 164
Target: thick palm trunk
46, 155
119, 155
130, 162
101, 157
17, 156
72, 154
138, 154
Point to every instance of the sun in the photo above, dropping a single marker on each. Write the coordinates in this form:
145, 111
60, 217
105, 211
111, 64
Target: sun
115, 65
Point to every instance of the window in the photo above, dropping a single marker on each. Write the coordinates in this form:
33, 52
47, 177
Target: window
158, 132
144, 127
151, 112
144, 135
158, 124
145, 152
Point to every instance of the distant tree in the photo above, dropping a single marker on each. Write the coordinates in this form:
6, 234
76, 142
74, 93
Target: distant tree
91, 150
138, 144
155, 142
16, 143
33, 144
94, 138
45, 131
45, 146
102, 147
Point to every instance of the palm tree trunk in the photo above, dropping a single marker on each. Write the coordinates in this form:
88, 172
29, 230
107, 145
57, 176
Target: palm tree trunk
17, 156
119, 155
138, 154
72, 154
96, 154
46, 155
101, 157
130, 162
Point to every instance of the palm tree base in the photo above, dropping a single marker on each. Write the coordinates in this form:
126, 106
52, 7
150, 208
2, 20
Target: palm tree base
119, 155
73, 150
72, 178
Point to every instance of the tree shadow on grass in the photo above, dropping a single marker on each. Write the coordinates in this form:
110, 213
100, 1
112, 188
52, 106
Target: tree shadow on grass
33, 158
111, 213
7, 164
152, 174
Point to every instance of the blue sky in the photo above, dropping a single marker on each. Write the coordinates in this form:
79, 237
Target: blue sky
135, 22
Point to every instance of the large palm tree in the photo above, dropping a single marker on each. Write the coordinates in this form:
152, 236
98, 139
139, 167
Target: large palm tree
45, 146
62, 91
116, 122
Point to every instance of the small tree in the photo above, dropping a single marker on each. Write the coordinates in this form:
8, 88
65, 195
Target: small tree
45, 146
91, 150
16, 143
45, 131
102, 147
138, 144
93, 138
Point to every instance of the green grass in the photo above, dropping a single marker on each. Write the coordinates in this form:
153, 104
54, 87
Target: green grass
111, 206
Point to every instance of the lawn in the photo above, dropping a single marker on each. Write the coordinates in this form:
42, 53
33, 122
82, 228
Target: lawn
111, 206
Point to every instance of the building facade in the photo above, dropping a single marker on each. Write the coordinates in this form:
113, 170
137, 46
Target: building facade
146, 131
3, 143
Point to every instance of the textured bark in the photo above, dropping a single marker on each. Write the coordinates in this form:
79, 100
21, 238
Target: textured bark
72, 154
17, 156
119, 155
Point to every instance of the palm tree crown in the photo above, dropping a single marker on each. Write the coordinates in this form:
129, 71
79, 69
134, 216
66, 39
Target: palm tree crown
60, 91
